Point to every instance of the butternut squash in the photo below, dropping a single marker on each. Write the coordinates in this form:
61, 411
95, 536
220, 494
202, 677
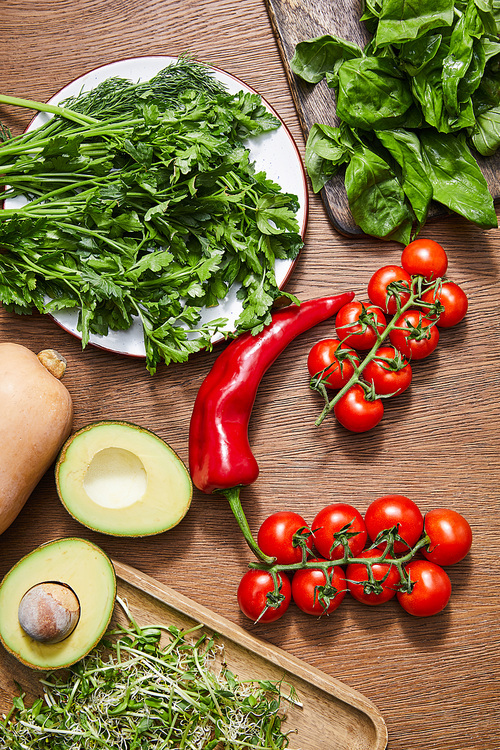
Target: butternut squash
36, 416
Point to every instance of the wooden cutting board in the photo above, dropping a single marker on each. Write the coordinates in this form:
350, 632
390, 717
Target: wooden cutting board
295, 21
331, 715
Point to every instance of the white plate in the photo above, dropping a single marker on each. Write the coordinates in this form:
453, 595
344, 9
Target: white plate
275, 153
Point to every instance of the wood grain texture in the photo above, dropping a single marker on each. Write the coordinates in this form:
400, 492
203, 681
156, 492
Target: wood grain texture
435, 681
294, 22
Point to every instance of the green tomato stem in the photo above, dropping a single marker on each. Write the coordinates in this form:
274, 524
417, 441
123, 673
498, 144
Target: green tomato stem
383, 557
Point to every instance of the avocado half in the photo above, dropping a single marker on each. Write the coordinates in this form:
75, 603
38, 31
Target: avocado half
121, 479
87, 572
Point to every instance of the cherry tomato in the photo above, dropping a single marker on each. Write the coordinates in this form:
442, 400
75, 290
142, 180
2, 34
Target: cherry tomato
377, 288
253, 596
450, 535
312, 593
391, 510
419, 340
453, 299
386, 575
329, 353
431, 590
425, 258
330, 521
276, 537
356, 324
357, 413
389, 372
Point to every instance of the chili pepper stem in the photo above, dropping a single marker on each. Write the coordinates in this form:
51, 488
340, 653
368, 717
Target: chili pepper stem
233, 496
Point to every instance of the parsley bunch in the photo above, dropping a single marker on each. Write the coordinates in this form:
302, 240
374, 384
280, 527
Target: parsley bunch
140, 201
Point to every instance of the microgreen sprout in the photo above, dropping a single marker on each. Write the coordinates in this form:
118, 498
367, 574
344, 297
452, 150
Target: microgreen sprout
134, 692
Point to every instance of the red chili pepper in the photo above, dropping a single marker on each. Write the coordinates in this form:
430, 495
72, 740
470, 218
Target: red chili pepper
220, 457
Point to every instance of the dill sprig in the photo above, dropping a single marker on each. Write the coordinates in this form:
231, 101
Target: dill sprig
135, 692
119, 95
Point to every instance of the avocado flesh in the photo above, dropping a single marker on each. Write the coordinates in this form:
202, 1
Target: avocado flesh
83, 567
123, 480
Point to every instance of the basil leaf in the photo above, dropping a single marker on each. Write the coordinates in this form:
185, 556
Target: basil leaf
460, 56
376, 198
427, 88
486, 133
404, 147
312, 59
372, 93
325, 153
400, 21
457, 182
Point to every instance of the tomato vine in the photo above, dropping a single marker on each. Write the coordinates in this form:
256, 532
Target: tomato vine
342, 551
419, 302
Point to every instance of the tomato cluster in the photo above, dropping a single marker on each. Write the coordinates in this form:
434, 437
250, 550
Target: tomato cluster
391, 551
420, 300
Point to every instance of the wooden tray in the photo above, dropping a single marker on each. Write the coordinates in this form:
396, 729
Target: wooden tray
295, 21
331, 716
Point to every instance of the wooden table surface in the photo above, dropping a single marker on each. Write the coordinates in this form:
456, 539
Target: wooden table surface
434, 680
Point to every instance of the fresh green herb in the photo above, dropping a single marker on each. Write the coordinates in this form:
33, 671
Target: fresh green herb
140, 201
139, 693
411, 105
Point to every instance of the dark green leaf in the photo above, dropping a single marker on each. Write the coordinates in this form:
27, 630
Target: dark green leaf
400, 21
457, 182
376, 198
404, 147
326, 151
486, 132
314, 58
372, 93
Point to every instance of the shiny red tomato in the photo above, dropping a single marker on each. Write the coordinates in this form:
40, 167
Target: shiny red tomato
363, 590
453, 299
356, 325
391, 510
389, 371
278, 537
255, 596
414, 336
313, 594
331, 520
384, 298
356, 412
335, 360
450, 535
431, 589
425, 258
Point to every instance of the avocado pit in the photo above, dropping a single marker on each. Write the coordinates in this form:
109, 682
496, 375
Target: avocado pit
49, 612
56, 603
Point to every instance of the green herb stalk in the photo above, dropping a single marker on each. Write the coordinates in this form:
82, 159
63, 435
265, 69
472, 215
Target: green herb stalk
140, 201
